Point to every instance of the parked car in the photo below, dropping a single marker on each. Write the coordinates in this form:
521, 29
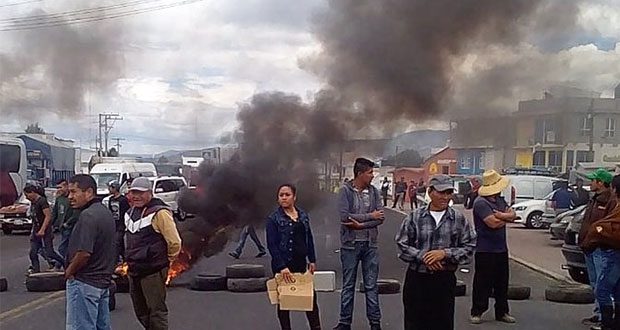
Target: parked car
558, 228
575, 259
528, 187
530, 213
16, 217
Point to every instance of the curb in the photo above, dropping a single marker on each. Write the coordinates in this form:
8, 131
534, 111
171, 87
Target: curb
527, 264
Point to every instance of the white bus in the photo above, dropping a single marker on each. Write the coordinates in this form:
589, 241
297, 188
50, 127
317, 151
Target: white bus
13, 170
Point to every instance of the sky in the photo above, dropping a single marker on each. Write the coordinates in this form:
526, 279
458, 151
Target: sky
177, 76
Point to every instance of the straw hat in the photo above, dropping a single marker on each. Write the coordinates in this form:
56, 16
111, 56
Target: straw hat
492, 183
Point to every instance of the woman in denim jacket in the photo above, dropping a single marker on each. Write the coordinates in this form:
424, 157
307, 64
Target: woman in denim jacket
290, 243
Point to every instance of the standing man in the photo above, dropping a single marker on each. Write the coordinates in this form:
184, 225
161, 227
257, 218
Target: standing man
385, 188
62, 212
399, 192
598, 207
581, 196
118, 205
413, 192
92, 259
434, 240
248, 230
361, 213
153, 243
491, 214
561, 198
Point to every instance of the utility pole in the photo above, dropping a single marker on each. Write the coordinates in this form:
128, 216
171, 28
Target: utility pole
590, 121
118, 144
104, 130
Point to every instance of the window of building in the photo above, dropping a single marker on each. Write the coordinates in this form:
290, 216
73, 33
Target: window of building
555, 160
539, 159
610, 128
570, 159
585, 157
465, 161
585, 126
481, 161
544, 132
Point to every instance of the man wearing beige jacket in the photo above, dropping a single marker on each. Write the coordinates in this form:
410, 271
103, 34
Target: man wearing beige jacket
153, 243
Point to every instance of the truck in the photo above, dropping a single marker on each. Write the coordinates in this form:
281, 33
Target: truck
104, 173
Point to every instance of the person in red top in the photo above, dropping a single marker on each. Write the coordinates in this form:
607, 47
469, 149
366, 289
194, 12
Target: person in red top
413, 191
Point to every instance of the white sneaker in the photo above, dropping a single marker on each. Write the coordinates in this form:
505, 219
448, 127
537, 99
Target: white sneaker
475, 320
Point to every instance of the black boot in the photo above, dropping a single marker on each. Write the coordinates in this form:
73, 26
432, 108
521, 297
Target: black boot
607, 319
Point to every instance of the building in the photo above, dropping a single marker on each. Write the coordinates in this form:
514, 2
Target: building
442, 161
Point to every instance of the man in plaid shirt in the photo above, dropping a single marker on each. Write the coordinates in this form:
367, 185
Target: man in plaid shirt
434, 240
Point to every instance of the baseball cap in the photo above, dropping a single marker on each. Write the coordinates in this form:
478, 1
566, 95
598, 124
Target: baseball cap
601, 175
141, 184
114, 184
441, 182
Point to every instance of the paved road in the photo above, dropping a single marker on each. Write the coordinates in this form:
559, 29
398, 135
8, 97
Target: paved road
224, 310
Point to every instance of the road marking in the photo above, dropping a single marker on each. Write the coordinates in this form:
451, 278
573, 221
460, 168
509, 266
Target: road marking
31, 306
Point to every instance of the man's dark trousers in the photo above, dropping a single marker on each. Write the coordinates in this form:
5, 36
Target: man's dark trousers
429, 300
148, 294
491, 275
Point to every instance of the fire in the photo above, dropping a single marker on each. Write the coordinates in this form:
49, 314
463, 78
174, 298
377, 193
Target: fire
122, 269
179, 265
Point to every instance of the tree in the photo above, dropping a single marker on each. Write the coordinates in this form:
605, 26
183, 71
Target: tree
34, 129
407, 158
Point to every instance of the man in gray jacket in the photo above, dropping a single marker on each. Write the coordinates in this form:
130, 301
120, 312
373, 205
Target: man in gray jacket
360, 212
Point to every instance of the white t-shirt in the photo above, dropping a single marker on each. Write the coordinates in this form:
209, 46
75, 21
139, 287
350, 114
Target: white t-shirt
437, 216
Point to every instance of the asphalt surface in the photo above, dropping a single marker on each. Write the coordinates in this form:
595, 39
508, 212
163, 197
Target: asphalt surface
20, 309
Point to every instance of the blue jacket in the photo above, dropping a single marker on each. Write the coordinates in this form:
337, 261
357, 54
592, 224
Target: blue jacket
348, 209
279, 233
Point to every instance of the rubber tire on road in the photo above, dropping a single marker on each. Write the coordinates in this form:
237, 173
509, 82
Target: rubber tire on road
517, 292
209, 282
528, 221
247, 284
245, 271
579, 275
112, 301
122, 283
385, 285
570, 293
4, 285
45, 282
461, 289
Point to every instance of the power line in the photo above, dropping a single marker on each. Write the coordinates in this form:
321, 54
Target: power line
133, 12
20, 3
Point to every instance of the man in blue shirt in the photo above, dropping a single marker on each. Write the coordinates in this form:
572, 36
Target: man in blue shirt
561, 198
491, 213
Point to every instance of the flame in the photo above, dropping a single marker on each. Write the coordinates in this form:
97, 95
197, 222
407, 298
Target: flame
122, 269
179, 265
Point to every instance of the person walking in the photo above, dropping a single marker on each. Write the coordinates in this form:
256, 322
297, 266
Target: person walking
412, 191
433, 240
360, 213
291, 246
41, 235
91, 259
153, 243
385, 188
601, 204
491, 214
118, 206
62, 213
248, 230
603, 241
399, 192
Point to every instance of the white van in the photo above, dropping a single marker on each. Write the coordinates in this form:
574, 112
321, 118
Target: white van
528, 187
103, 173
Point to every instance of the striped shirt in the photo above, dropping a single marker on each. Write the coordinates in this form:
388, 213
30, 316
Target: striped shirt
419, 234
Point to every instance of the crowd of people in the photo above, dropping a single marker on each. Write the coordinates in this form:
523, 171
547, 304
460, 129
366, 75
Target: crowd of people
433, 240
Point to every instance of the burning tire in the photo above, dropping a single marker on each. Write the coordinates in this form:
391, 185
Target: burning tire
121, 282
385, 285
461, 289
44, 282
4, 285
247, 284
570, 293
209, 282
112, 301
245, 271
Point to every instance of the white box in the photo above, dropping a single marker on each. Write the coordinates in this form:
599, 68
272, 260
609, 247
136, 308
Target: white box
324, 281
